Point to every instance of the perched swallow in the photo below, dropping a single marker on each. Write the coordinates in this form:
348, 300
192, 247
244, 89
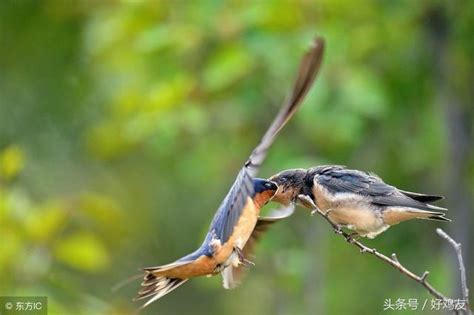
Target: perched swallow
236, 221
357, 200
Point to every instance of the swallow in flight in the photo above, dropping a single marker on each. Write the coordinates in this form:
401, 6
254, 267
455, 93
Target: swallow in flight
353, 199
236, 222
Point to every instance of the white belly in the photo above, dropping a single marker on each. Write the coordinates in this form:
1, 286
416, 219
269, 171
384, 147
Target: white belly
358, 217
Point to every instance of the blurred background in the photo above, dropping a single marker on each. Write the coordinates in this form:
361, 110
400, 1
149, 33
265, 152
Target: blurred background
123, 124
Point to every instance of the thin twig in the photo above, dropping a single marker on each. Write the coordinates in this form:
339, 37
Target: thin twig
394, 262
462, 269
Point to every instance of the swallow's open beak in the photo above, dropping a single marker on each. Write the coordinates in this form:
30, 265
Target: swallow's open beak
278, 188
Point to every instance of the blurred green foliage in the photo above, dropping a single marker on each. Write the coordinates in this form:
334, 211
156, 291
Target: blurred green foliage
123, 123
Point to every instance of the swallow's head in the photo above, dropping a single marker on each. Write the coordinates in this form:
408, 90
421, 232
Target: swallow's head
290, 183
264, 190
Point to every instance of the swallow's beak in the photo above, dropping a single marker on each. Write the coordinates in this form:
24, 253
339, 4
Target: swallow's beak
279, 189
264, 185
276, 189
284, 191
264, 190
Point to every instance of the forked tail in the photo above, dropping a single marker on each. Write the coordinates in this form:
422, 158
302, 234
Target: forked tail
430, 215
157, 284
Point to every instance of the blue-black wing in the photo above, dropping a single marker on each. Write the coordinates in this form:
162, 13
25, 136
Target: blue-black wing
338, 179
231, 208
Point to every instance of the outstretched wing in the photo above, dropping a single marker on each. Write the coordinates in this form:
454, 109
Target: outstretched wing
231, 208
309, 68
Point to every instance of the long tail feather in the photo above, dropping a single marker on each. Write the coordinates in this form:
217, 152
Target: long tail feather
395, 215
422, 197
157, 281
435, 208
125, 282
156, 287
430, 215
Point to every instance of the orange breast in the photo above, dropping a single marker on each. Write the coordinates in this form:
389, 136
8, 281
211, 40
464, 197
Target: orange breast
241, 233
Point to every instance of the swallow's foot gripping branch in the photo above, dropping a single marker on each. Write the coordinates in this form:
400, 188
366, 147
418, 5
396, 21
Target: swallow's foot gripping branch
351, 238
394, 262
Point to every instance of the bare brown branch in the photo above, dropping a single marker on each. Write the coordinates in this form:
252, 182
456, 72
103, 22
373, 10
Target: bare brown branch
462, 269
394, 262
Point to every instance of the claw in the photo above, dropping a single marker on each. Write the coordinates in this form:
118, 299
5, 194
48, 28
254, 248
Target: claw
242, 260
247, 263
337, 229
239, 252
351, 238
326, 214
307, 202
